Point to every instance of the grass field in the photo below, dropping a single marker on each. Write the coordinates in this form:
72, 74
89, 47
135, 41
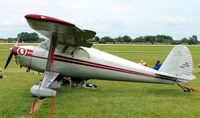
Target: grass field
112, 99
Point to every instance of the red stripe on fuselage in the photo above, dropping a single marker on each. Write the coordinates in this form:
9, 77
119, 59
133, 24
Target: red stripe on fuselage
87, 63
95, 65
29, 52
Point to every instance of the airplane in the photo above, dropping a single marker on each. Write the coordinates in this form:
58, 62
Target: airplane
68, 53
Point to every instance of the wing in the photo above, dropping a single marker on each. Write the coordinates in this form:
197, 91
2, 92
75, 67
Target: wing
58, 31
67, 33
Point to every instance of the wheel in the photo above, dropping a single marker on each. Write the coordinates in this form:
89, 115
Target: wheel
41, 98
187, 90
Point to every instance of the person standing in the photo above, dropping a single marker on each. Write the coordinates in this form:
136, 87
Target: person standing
157, 65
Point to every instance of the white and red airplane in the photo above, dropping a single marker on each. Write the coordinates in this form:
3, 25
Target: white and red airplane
68, 53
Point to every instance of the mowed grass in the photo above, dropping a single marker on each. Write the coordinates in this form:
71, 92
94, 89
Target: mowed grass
112, 98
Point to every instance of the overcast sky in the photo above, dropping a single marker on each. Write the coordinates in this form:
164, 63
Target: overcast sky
177, 18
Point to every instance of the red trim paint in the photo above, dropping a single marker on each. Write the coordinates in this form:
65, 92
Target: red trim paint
96, 65
92, 64
48, 19
21, 51
29, 50
28, 54
52, 61
14, 50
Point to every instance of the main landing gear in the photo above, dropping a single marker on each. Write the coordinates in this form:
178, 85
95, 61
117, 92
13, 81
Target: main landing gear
78, 83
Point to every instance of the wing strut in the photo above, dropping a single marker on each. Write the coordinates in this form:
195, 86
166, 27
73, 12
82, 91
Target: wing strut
43, 90
52, 47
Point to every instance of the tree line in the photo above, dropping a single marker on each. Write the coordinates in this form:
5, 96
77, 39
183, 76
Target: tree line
164, 39
25, 37
160, 39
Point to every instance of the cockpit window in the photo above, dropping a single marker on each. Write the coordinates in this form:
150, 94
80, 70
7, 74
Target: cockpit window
60, 48
64, 49
82, 53
70, 50
45, 44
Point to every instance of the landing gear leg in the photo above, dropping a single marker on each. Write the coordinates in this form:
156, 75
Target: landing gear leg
185, 89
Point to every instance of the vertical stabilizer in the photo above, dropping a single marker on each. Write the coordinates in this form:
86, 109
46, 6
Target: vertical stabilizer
179, 63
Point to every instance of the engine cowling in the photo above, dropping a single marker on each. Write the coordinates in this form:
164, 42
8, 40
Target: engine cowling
41, 91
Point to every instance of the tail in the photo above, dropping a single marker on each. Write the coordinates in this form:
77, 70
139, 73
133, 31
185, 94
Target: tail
179, 64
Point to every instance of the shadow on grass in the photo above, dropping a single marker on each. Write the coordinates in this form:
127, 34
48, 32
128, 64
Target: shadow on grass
167, 91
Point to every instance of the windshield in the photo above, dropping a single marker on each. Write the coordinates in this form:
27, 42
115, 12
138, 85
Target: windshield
60, 48
66, 50
45, 44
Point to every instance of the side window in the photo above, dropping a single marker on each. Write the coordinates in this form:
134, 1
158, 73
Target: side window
70, 50
82, 53
64, 49
59, 48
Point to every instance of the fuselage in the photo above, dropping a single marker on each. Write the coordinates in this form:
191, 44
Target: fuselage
87, 63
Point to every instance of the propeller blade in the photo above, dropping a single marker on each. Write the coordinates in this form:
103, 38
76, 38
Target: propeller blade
17, 42
8, 60
11, 53
17, 39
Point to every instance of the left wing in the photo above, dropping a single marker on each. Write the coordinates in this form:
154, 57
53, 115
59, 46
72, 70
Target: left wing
67, 33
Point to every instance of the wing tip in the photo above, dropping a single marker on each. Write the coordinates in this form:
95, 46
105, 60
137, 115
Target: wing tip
47, 18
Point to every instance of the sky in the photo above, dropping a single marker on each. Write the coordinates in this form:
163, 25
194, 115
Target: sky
176, 18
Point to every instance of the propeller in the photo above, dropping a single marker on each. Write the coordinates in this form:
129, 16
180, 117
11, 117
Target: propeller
17, 42
11, 52
8, 60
